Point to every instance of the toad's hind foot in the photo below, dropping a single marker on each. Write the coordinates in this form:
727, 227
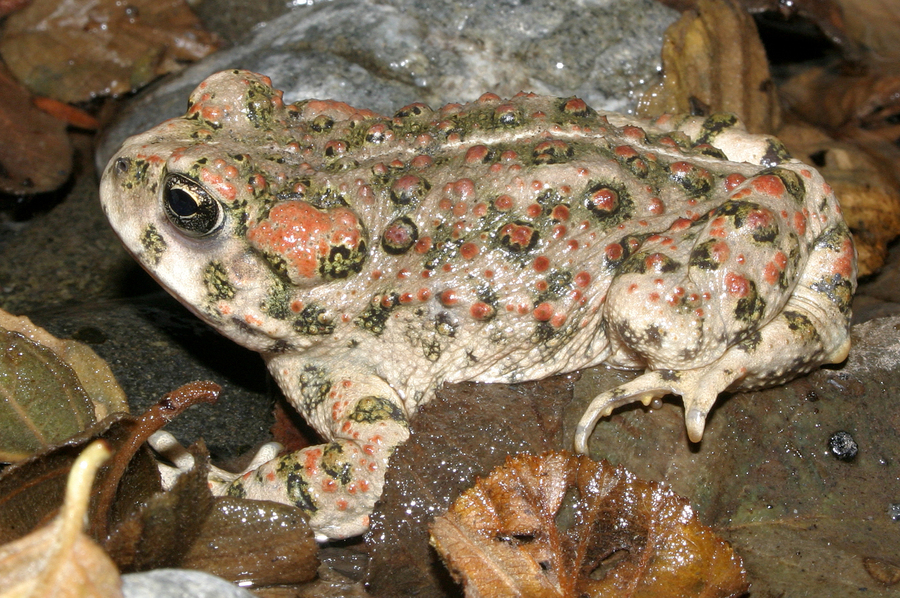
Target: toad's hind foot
699, 389
811, 330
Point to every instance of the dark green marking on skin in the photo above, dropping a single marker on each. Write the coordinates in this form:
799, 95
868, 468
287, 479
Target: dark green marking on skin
313, 320
335, 464
751, 308
715, 124
369, 410
215, 278
801, 324
792, 182
376, 314
296, 485
258, 105
314, 386
341, 261
775, 153
154, 245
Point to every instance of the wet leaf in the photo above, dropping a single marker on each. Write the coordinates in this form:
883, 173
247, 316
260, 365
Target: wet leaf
465, 432
156, 531
864, 182
713, 61
35, 152
31, 491
564, 525
258, 542
193, 483
75, 51
58, 560
43, 402
51, 389
143, 527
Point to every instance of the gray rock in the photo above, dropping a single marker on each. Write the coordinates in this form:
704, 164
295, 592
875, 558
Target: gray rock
179, 583
384, 55
153, 345
867, 308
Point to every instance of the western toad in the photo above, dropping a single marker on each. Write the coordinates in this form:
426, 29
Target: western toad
369, 259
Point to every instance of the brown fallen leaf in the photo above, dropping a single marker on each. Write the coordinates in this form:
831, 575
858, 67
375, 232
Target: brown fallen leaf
35, 151
143, 527
564, 525
103, 516
77, 51
713, 61
258, 542
58, 560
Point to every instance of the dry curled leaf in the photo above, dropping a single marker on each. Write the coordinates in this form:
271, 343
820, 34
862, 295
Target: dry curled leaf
834, 97
875, 24
75, 51
58, 560
35, 151
50, 389
713, 61
564, 525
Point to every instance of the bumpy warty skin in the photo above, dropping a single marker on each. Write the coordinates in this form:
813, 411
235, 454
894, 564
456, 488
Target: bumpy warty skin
370, 258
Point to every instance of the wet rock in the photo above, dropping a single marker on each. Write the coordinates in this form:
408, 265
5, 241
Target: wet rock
384, 55
153, 345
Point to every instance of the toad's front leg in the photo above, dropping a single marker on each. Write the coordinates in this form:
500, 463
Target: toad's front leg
336, 483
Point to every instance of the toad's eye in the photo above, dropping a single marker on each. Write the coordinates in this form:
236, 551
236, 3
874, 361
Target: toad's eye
190, 208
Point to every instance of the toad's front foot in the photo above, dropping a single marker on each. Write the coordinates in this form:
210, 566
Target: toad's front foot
336, 484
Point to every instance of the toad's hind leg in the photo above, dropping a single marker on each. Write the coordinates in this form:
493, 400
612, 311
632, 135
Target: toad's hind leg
699, 388
337, 483
812, 329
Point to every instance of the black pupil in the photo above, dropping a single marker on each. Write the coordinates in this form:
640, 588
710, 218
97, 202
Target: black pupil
181, 203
